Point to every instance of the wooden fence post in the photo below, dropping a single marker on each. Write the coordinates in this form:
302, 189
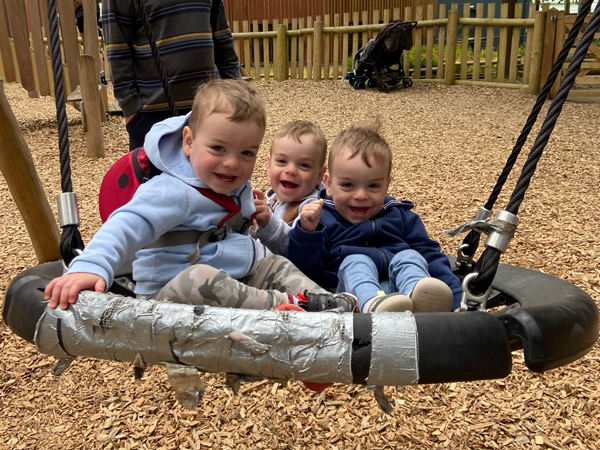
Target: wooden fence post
317, 46
451, 47
537, 52
25, 186
91, 105
281, 69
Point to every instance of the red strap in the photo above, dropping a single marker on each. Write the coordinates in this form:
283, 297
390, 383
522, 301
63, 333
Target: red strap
222, 200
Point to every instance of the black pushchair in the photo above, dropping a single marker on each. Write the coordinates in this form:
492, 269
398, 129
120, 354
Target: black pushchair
380, 61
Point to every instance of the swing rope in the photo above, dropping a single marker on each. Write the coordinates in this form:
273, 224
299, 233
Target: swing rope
70, 239
471, 241
488, 263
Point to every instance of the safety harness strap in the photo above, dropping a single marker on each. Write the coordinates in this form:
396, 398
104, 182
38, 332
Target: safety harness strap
232, 221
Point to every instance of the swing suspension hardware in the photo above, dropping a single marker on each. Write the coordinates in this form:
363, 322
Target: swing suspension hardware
68, 212
471, 241
464, 258
500, 236
487, 265
470, 301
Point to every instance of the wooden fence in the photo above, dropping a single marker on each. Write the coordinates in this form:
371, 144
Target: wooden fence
590, 69
453, 47
322, 49
24, 50
278, 11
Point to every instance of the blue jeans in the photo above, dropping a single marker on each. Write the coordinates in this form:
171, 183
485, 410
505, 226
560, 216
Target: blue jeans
358, 275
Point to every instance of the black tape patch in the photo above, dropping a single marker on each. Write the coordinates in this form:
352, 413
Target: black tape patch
361, 348
60, 339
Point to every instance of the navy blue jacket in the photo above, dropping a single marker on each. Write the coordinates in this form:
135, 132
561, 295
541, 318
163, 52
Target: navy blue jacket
395, 228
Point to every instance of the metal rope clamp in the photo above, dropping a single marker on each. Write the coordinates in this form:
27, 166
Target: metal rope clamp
68, 213
503, 229
466, 261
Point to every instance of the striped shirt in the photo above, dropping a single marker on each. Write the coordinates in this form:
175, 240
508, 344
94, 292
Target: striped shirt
194, 44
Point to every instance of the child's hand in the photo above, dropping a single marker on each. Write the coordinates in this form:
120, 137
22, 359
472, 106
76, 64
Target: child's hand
263, 215
311, 215
63, 290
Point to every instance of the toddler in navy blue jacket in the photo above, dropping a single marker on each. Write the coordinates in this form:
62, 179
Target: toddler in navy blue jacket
358, 239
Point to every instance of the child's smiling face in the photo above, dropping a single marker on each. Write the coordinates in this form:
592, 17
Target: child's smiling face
223, 152
295, 168
358, 191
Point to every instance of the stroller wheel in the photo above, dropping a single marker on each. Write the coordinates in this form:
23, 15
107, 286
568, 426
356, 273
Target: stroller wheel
383, 87
407, 82
359, 84
372, 83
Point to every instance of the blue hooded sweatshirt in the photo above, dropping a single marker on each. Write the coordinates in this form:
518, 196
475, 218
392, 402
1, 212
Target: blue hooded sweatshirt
167, 202
395, 228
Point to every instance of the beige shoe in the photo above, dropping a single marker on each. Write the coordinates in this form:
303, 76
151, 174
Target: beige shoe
431, 295
394, 302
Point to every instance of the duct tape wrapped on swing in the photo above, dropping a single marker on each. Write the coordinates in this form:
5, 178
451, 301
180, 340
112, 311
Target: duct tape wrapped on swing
269, 344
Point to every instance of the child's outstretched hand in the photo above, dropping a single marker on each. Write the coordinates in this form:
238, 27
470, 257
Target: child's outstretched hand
263, 215
311, 215
63, 290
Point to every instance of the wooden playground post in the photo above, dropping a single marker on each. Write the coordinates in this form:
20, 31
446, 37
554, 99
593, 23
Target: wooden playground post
451, 47
25, 186
37, 40
10, 74
91, 105
16, 11
70, 42
537, 52
91, 47
281, 68
317, 46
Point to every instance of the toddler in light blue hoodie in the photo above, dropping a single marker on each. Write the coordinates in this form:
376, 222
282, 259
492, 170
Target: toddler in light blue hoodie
185, 226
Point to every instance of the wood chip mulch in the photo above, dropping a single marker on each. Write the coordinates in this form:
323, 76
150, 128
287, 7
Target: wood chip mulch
450, 144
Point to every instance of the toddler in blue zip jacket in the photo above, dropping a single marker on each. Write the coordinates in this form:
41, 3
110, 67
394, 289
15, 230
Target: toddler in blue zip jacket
357, 239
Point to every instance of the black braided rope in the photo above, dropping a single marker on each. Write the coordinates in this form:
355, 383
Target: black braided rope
59, 95
70, 238
553, 114
488, 263
156, 55
541, 99
472, 239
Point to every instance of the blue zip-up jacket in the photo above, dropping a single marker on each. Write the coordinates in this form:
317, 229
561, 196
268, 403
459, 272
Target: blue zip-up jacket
167, 202
395, 228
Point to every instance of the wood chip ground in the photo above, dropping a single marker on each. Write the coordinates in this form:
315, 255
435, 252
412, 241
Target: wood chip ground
450, 144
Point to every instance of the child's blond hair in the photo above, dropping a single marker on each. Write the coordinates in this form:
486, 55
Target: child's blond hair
363, 140
221, 95
298, 128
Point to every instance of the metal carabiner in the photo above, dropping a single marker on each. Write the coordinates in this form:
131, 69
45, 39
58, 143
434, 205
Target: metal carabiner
462, 261
468, 296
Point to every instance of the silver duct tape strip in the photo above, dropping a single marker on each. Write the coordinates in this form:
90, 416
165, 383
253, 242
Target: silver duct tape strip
394, 354
303, 346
